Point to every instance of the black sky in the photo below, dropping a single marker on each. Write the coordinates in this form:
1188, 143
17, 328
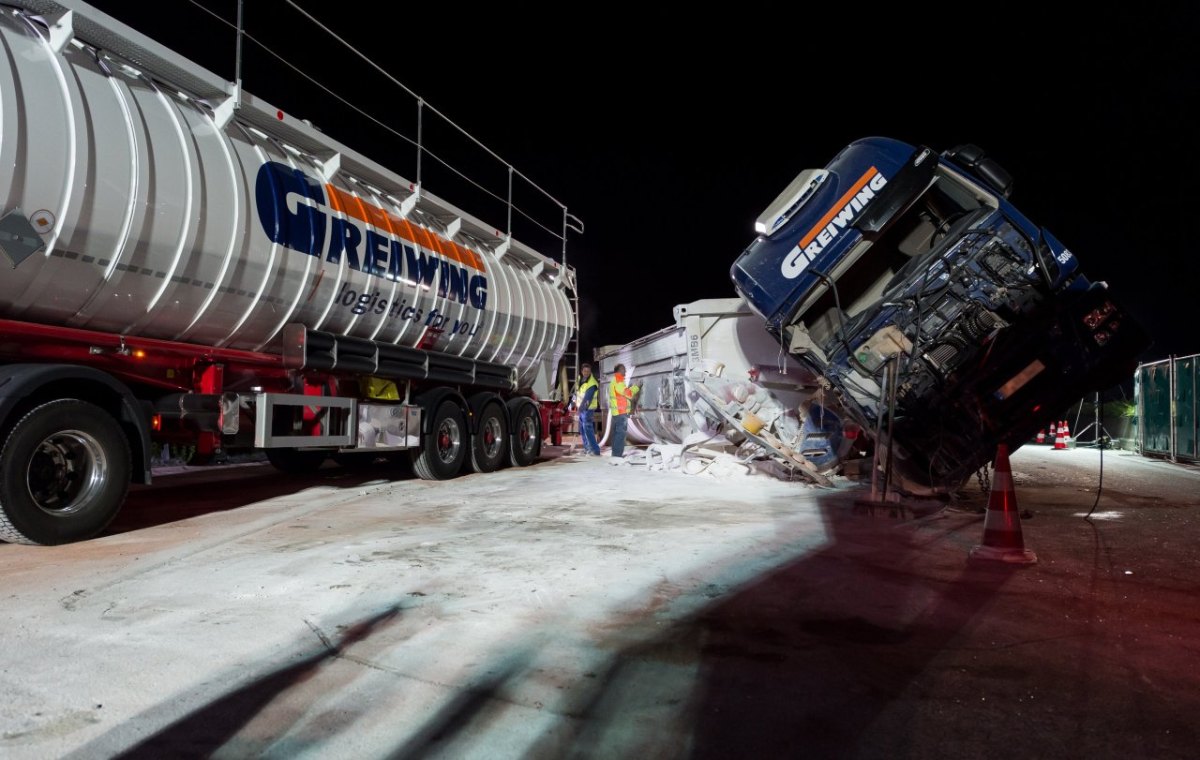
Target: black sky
669, 129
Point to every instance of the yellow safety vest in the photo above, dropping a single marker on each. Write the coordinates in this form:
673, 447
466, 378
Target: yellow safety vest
581, 392
620, 396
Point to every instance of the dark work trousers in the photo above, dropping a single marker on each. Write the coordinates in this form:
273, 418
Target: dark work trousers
587, 429
619, 423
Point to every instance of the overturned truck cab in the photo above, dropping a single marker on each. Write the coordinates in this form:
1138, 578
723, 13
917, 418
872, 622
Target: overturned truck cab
897, 262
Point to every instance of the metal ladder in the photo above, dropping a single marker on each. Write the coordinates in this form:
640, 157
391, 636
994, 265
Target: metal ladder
570, 370
570, 367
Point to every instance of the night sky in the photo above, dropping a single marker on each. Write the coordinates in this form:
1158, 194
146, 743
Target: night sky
668, 131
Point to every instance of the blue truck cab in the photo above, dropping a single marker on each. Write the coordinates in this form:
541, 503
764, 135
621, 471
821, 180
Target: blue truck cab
894, 259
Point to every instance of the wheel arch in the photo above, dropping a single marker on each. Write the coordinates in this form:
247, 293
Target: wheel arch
478, 401
26, 386
431, 399
516, 402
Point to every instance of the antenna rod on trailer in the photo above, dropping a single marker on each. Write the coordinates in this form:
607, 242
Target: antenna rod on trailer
237, 60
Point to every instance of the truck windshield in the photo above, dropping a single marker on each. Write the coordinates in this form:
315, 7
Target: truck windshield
946, 209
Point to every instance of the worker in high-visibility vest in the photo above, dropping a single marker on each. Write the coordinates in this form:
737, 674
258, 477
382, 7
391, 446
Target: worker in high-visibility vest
587, 400
620, 403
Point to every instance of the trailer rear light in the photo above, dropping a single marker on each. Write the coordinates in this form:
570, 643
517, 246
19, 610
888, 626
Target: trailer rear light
156, 423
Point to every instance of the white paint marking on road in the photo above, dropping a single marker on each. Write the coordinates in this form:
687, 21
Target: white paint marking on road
1110, 515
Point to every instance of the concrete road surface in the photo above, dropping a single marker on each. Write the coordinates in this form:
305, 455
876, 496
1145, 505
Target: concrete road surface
575, 609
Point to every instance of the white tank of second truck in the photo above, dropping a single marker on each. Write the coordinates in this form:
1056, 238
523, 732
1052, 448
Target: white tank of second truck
720, 337
718, 355
159, 222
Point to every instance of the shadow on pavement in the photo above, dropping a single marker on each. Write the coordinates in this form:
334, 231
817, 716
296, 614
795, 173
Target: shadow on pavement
822, 657
467, 707
205, 730
202, 491
799, 663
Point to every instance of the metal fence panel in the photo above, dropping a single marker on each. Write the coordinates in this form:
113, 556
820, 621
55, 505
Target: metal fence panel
1168, 412
1185, 407
1154, 402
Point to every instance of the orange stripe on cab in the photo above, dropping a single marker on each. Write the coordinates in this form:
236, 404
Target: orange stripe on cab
837, 207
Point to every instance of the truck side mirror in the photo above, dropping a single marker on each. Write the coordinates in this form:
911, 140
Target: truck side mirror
973, 159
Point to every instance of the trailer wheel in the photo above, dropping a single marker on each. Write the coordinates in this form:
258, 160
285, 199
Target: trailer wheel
296, 461
490, 442
525, 443
444, 447
64, 472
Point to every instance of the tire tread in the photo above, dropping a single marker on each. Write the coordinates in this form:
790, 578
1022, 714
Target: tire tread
8, 531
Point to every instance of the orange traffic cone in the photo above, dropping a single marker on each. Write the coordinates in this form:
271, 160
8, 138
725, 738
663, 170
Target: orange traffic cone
1041, 437
1066, 431
1059, 441
1002, 539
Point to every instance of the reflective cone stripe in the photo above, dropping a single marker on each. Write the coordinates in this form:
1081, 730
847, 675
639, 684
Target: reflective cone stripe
1002, 526
1002, 537
1066, 433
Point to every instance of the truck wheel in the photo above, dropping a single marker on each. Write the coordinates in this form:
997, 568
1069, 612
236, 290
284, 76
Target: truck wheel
64, 472
525, 443
489, 444
444, 446
296, 461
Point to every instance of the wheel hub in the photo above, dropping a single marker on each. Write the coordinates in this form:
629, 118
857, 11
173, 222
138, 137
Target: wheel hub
65, 472
527, 434
492, 437
449, 440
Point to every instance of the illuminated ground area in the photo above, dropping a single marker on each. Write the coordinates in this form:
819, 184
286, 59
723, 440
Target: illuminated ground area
576, 609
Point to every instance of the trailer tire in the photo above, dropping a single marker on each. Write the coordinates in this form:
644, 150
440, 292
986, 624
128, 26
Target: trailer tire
64, 472
525, 441
296, 461
444, 444
489, 444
